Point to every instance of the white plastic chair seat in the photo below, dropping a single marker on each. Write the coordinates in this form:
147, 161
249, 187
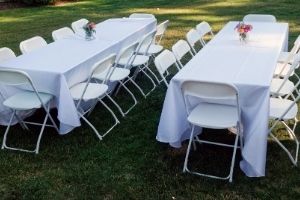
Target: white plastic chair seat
213, 116
284, 72
284, 90
153, 49
117, 75
27, 100
279, 106
93, 91
139, 60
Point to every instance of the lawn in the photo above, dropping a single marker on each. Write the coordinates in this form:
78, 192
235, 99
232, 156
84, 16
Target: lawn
129, 163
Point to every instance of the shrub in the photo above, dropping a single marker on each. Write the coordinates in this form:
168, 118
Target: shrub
38, 2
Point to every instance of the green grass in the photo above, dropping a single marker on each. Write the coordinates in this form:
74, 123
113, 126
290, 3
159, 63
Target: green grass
129, 163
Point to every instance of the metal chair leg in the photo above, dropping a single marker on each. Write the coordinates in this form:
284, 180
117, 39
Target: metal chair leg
118, 106
114, 116
229, 177
91, 125
7, 129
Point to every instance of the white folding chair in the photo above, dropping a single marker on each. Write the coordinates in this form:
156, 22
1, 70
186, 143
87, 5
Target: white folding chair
32, 44
62, 33
180, 49
87, 91
141, 15
193, 38
259, 18
204, 28
121, 75
77, 26
216, 115
141, 62
284, 111
163, 62
289, 56
24, 101
6, 54
281, 87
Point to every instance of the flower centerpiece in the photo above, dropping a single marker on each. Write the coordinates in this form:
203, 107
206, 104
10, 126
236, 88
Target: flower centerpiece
90, 30
243, 30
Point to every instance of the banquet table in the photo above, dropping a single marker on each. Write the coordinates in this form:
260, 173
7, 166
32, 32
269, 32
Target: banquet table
247, 65
64, 63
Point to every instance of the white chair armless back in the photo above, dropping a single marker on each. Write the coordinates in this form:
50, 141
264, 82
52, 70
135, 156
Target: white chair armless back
181, 48
77, 26
16, 78
193, 37
259, 18
13, 77
209, 90
146, 41
296, 46
6, 54
160, 30
141, 15
164, 60
32, 44
162, 27
127, 54
104, 66
204, 28
62, 33
295, 63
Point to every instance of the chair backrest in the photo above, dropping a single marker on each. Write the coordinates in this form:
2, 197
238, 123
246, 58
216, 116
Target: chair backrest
103, 66
210, 92
293, 98
6, 54
293, 66
77, 26
160, 31
99, 67
296, 46
141, 15
32, 44
146, 41
14, 77
164, 61
62, 33
127, 54
204, 28
193, 37
259, 18
180, 49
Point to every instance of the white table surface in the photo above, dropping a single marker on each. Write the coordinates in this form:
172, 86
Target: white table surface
61, 64
249, 66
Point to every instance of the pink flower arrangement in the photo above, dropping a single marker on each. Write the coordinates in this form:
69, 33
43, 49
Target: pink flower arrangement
243, 29
89, 29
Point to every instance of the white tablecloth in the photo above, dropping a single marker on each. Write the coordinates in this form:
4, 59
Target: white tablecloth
250, 68
61, 64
